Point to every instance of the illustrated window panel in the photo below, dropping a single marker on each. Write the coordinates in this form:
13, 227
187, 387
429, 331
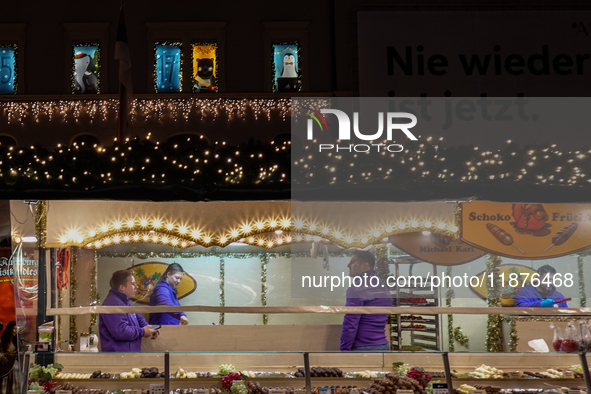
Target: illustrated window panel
205, 68
8, 69
286, 67
86, 69
168, 77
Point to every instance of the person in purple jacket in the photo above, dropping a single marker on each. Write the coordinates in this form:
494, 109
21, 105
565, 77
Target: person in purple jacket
365, 332
165, 294
543, 295
123, 332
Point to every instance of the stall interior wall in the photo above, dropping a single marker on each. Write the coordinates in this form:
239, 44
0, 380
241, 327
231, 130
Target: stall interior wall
242, 287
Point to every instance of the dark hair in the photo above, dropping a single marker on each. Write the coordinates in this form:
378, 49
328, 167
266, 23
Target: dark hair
366, 257
171, 269
120, 278
546, 269
7, 337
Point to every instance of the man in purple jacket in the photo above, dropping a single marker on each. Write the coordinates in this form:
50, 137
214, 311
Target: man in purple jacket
365, 332
543, 295
123, 332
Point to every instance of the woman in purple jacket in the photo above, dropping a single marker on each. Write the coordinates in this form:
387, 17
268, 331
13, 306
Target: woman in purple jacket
165, 294
123, 332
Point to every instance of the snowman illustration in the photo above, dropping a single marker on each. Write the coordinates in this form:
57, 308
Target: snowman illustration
84, 80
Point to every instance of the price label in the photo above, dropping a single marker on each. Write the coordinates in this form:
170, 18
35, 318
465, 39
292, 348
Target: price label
200, 391
63, 391
405, 392
157, 388
515, 374
569, 374
276, 391
477, 391
439, 388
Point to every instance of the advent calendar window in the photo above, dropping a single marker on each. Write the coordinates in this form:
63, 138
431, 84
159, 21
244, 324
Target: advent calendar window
286, 67
7, 69
168, 66
86, 69
205, 68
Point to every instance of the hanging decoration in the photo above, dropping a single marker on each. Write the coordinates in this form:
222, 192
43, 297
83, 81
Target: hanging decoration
264, 262
449, 295
8, 75
94, 294
381, 253
513, 337
168, 77
86, 69
41, 223
222, 287
460, 337
73, 290
581, 273
494, 323
286, 67
205, 68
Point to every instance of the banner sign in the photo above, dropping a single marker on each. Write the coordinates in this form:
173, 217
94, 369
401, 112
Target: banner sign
147, 276
526, 231
513, 278
436, 248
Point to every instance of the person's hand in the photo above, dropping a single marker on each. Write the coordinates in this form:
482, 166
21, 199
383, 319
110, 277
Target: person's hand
547, 303
3, 359
184, 320
149, 333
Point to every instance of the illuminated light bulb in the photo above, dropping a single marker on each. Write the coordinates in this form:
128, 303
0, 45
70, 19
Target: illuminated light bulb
308, 237
426, 232
155, 238
246, 229
79, 240
207, 240
273, 223
104, 229
376, 234
117, 225
278, 231
62, 240
183, 229
126, 238
136, 237
92, 233
97, 244
414, 224
174, 241
288, 239
299, 224
106, 241
223, 240
116, 238
89, 245
146, 237
299, 238
169, 226
389, 229
261, 242
234, 233
441, 226
269, 244
260, 225
130, 223
363, 240
144, 223
280, 241
195, 234
453, 229
251, 240
312, 227
285, 223
184, 244
427, 224
165, 239
156, 223
402, 226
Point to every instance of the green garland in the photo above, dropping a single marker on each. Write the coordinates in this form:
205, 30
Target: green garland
494, 323
450, 318
513, 337
581, 273
381, 252
460, 337
222, 291
264, 262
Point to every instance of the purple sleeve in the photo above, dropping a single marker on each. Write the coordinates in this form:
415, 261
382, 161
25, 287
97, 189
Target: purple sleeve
528, 302
350, 325
164, 297
142, 322
120, 329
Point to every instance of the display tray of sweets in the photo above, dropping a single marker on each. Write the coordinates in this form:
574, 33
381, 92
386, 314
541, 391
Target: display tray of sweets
77, 390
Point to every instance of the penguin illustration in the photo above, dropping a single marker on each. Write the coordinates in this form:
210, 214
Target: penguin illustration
289, 66
85, 81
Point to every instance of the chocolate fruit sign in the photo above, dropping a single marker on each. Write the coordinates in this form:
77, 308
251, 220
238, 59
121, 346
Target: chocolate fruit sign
147, 276
436, 248
526, 231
